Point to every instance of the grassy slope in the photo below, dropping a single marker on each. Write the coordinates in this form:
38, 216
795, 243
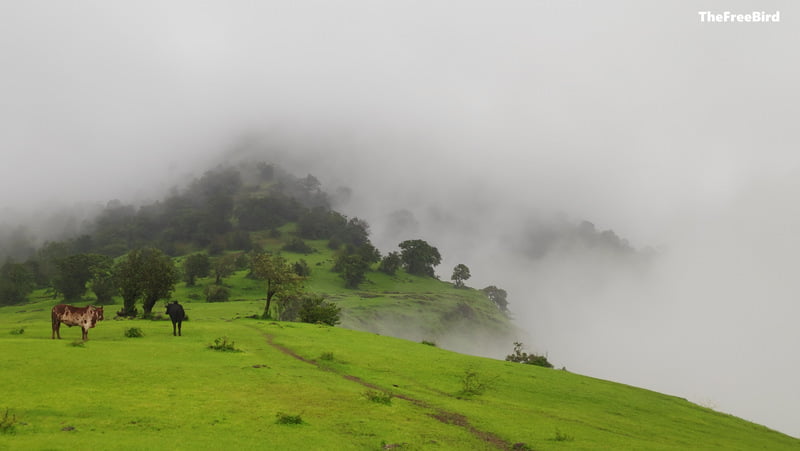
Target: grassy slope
405, 306
164, 392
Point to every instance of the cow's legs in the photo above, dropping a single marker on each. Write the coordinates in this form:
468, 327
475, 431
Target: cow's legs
173, 329
179, 328
56, 330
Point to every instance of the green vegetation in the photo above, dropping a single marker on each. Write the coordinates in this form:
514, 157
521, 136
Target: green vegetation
134, 332
520, 356
186, 397
8, 423
222, 344
271, 248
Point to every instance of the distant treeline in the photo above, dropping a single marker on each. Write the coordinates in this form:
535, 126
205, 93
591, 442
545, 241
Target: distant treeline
215, 213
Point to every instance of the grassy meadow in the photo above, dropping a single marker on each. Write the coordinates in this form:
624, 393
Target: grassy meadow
348, 389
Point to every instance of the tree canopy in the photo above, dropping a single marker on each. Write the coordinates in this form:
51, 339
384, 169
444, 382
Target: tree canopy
279, 275
460, 274
419, 257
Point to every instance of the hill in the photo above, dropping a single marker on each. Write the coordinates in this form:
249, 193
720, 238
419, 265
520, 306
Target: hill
231, 214
347, 389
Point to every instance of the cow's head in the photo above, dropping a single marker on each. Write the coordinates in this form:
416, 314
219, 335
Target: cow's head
98, 313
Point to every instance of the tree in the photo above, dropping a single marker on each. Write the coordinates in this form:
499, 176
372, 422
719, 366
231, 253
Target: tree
16, 282
145, 273
390, 263
73, 273
419, 257
279, 275
195, 265
460, 274
498, 296
103, 282
354, 269
159, 278
223, 266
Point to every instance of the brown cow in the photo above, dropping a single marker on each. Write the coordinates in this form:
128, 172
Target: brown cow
86, 317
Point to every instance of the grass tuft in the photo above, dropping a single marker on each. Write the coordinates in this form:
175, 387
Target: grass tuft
562, 437
19, 331
222, 344
134, 332
379, 397
285, 418
8, 423
473, 383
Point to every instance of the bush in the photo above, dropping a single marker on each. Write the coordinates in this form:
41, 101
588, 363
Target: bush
429, 343
380, 397
529, 359
297, 245
222, 344
216, 293
301, 268
8, 423
472, 383
285, 418
316, 310
562, 437
19, 331
134, 332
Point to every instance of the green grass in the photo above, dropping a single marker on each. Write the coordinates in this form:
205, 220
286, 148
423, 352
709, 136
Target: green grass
382, 304
165, 392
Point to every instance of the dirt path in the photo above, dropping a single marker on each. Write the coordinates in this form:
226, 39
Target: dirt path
452, 418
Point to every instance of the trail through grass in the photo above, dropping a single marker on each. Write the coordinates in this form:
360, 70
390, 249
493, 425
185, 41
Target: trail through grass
163, 392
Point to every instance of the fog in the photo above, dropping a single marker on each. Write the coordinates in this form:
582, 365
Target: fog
472, 125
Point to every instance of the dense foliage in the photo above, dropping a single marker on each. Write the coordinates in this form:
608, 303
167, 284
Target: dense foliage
419, 257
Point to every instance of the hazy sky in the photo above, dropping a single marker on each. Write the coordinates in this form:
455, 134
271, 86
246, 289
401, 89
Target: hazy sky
674, 133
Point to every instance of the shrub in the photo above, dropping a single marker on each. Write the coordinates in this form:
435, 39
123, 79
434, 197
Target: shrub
301, 268
19, 331
562, 437
222, 344
530, 359
134, 332
285, 418
472, 383
316, 310
380, 397
216, 293
297, 245
8, 423
429, 343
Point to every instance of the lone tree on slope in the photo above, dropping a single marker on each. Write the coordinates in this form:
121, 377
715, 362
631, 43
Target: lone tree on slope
460, 274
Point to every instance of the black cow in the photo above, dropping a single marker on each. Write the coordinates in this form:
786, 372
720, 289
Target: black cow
177, 315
